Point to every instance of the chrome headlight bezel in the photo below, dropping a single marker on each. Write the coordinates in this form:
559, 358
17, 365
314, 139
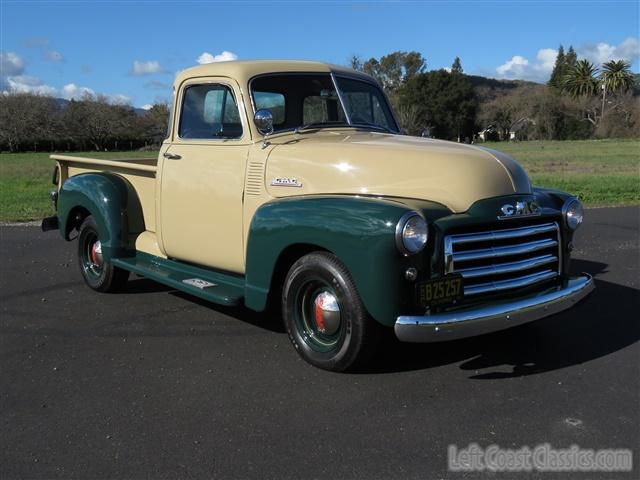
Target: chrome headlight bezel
415, 244
573, 213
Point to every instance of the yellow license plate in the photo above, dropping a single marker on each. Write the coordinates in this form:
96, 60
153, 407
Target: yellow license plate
440, 291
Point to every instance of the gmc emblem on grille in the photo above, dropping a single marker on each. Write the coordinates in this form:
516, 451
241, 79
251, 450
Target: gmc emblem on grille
519, 209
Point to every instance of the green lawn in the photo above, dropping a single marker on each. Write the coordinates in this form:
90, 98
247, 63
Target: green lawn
600, 172
25, 183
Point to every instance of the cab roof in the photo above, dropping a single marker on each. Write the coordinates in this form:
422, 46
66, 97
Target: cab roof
243, 70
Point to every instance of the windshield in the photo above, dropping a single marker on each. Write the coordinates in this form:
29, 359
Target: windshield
311, 100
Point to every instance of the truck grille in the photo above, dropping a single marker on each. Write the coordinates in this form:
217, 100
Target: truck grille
501, 260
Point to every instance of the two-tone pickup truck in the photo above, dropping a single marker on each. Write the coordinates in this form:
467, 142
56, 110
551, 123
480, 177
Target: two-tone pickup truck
289, 184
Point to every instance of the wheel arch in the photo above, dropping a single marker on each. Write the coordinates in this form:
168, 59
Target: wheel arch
359, 231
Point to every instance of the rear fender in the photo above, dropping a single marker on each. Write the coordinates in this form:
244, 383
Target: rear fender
108, 198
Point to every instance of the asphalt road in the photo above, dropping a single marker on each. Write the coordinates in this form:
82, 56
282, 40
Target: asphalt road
154, 384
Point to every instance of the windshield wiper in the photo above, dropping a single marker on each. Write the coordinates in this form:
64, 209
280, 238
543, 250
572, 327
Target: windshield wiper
375, 126
315, 125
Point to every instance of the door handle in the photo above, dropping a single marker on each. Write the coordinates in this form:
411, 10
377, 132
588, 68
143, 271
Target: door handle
171, 156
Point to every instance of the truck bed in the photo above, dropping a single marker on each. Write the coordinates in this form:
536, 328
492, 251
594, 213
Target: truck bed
139, 172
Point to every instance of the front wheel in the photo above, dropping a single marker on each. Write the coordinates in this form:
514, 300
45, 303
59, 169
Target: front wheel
324, 315
100, 274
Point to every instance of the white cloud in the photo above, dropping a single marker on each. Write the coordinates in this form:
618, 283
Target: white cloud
72, 91
27, 84
145, 68
225, 56
545, 60
10, 64
146, 106
119, 99
539, 70
513, 68
599, 53
53, 56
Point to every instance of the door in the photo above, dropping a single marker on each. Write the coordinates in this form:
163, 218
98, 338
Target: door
203, 177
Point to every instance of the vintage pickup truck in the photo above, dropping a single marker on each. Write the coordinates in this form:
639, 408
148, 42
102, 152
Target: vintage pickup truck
288, 184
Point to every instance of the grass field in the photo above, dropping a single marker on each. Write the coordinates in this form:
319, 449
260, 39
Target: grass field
600, 172
25, 183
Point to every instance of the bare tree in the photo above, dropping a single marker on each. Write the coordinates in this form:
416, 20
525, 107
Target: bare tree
25, 118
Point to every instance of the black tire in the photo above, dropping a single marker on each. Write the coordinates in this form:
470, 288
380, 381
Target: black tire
98, 273
348, 345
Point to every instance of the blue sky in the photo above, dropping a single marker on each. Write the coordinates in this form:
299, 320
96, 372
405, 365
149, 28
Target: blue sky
132, 50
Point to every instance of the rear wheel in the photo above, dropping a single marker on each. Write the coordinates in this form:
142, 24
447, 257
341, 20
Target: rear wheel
97, 272
324, 315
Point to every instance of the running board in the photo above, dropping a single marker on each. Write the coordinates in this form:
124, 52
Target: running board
206, 284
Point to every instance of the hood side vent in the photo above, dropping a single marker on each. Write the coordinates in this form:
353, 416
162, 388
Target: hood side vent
255, 178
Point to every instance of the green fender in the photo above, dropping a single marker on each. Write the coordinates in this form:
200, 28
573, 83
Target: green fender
360, 231
111, 200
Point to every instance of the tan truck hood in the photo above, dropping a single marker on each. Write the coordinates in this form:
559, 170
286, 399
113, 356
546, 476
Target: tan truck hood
348, 162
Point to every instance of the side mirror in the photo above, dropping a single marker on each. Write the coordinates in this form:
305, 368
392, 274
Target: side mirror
263, 120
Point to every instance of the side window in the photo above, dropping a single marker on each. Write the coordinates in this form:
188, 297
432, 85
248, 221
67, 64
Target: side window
209, 111
273, 101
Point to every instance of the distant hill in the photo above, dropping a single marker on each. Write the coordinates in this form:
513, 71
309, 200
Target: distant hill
489, 88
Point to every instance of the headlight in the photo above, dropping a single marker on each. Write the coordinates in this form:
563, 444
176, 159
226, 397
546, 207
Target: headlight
573, 213
411, 233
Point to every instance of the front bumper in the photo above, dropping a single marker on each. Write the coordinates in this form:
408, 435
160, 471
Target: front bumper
490, 318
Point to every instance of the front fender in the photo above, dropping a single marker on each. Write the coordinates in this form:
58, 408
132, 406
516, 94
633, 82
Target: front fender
106, 197
359, 231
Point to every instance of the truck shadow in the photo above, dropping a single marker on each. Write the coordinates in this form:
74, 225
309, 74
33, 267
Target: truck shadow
600, 325
603, 323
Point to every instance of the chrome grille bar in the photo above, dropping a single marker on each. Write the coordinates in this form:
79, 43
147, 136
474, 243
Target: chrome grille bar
509, 267
502, 234
493, 252
511, 283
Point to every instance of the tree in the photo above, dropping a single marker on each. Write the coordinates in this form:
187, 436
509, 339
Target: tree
581, 79
559, 70
571, 58
616, 76
25, 118
355, 62
456, 66
94, 120
394, 69
445, 101
153, 124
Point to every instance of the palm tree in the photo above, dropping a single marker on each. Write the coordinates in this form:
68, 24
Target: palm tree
581, 79
616, 77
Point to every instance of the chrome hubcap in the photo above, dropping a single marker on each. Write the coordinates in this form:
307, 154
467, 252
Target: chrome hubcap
96, 254
327, 313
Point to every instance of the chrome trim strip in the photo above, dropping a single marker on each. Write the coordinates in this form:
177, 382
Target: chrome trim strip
495, 252
559, 237
517, 282
508, 267
490, 318
502, 234
341, 98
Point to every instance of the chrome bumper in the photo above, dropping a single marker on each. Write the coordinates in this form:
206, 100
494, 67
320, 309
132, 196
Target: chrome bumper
490, 318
